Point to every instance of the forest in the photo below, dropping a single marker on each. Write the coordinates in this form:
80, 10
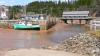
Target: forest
55, 8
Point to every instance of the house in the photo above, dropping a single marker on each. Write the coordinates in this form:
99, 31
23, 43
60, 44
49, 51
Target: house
4, 12
34, 17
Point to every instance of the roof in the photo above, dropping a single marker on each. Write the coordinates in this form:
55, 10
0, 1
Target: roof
75, 13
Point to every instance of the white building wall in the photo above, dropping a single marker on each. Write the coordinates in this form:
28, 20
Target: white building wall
3, 12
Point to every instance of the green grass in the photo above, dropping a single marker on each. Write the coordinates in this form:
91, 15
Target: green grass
95, 33
3, 25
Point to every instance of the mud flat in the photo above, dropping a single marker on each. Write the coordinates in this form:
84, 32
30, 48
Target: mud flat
20, 39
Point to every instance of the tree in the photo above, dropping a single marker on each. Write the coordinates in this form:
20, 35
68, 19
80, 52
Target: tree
56, 9
13, 10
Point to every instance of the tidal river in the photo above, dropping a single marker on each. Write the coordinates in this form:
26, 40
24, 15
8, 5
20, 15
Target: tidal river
36, 39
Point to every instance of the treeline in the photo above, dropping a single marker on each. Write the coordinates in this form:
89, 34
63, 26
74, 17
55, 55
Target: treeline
51, 8
56, 8
14, 10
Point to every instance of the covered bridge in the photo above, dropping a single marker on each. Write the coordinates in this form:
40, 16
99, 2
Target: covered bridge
76, 15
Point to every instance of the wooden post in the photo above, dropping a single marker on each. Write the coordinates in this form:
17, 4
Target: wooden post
87, 21
71, 21
91, 25
66, 22
43, 25
80, 21
95, 27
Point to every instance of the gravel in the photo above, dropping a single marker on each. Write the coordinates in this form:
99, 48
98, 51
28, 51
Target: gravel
83, 44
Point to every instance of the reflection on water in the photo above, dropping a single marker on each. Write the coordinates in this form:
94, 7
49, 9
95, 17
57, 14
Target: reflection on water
67, 32
29, 39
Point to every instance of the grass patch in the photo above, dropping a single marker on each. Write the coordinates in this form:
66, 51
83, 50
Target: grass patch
2, 25
95, 33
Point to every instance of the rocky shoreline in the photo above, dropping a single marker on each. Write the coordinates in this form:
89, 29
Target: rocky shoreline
83, 43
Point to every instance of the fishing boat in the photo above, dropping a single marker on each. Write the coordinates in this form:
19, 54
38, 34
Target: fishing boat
25, 25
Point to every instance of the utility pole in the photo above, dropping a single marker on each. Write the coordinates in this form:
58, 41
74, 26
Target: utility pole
51, 10
68, 1
12, 11
25, 8
46, 12
41, 11
13, 14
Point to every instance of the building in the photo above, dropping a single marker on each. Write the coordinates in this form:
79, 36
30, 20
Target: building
4, 12
34, 17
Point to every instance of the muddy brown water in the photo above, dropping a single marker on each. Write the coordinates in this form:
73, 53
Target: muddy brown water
36, 39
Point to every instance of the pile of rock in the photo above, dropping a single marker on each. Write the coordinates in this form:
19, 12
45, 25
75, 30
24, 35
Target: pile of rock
83, 44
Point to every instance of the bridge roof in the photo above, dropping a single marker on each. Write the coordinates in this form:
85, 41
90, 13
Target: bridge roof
76, 12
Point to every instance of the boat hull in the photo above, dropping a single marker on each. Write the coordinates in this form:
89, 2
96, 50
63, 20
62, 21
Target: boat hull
19, 26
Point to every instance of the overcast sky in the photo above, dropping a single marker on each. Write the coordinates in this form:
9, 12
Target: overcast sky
20, 2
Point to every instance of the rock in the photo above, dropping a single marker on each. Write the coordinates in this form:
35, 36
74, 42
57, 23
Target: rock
82, 44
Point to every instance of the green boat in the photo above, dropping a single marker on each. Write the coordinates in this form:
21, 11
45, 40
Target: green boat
25, 26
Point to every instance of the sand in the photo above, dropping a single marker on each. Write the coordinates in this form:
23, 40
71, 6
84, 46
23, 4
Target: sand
38, 52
